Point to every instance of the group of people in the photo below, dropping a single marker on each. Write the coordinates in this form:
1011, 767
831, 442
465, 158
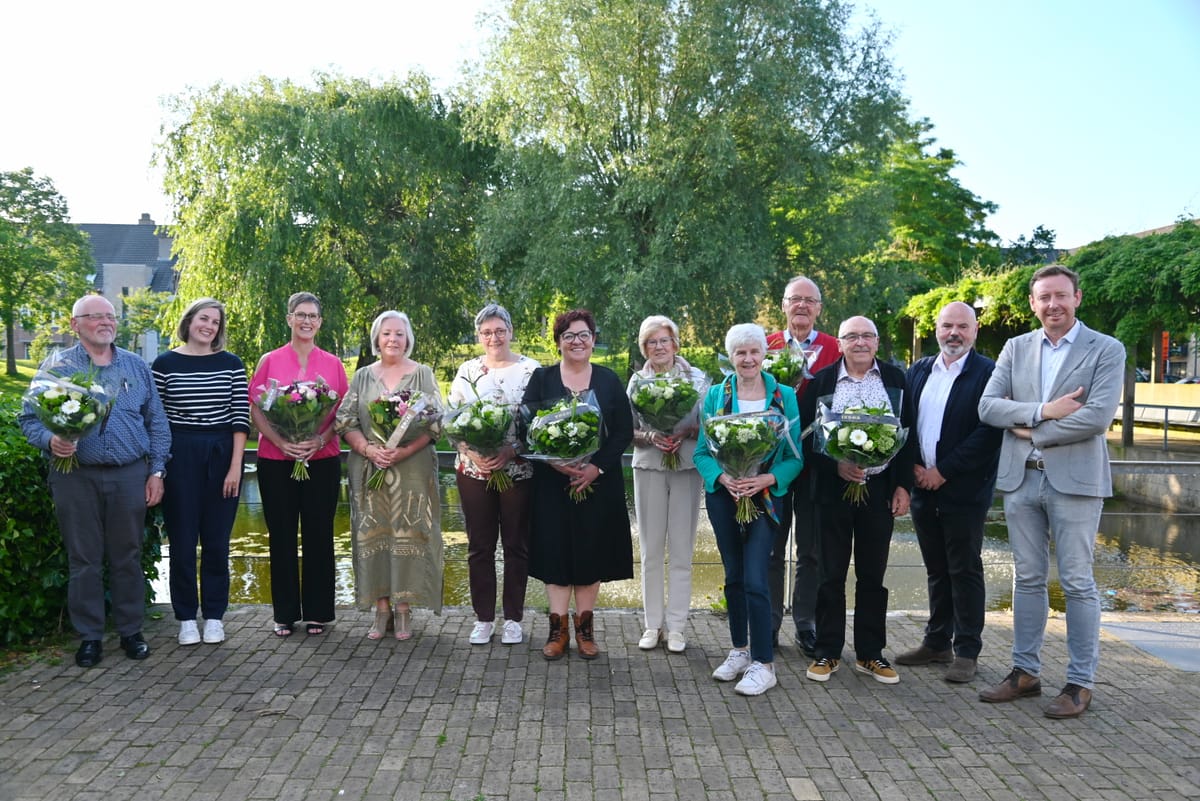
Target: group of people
1031, 424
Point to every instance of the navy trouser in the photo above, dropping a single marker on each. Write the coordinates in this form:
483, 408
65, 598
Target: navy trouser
951, 540
745, 552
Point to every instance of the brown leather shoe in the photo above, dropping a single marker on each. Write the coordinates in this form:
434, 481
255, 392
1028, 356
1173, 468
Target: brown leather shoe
557, 643
1017, 684
961, 670
585, 643
1072, 702
924, 655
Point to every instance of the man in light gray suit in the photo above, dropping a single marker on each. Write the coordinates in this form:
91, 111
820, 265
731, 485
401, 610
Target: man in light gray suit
1054, 392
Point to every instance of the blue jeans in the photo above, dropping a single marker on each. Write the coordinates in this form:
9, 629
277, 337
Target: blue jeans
1036, 512
745, 552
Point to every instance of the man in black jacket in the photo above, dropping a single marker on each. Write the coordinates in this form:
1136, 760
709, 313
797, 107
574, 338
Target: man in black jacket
955, 474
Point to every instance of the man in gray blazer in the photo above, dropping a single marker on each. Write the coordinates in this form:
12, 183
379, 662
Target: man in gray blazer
1054, 392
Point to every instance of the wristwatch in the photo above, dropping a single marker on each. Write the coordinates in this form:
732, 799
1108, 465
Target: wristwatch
159, 474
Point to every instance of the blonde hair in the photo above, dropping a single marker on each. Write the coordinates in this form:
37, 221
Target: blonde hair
652, 324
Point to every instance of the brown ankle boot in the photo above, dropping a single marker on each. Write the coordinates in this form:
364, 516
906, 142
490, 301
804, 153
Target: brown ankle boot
557, 642
585, 643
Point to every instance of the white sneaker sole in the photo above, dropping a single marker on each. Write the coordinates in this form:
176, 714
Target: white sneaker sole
756, 690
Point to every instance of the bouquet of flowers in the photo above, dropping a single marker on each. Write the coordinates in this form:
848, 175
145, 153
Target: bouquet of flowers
297, 411
483, 426
566, 432
790, 365
868, 436
69, 407
402, 417
741, 443
667, 405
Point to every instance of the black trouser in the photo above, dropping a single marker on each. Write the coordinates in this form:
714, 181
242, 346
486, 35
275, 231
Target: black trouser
951, 540
797, 506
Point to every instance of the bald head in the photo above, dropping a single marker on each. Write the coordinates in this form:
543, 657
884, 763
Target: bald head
956, 330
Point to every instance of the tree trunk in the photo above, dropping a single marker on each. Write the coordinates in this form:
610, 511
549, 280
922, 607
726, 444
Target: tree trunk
10, 357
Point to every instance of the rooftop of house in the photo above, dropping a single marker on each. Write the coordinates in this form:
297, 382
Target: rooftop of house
137, 243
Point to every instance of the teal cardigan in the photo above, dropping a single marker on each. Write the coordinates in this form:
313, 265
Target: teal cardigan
786, 465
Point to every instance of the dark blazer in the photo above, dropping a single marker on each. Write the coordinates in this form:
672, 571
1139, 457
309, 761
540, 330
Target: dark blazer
899, 473
967, 450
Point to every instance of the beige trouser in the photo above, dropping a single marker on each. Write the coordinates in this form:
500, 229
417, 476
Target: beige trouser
667, 504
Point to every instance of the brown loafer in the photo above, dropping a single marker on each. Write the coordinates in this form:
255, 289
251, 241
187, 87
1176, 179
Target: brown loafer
924, 655
1072, 702
1017, 684
961, 670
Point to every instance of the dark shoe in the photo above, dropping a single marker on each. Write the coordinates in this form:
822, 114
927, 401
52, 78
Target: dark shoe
807, 643
585, 642
135, 646
924, 655
775, 641
962, 670
89, 654
557, 643
1072, 702
1017, 684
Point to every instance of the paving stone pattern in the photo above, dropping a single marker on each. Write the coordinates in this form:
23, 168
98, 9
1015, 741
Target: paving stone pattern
435, 719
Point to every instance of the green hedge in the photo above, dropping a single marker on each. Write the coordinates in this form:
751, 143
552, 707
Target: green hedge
33, 562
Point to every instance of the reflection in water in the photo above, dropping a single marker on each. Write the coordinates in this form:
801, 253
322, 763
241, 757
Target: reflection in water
1145, 560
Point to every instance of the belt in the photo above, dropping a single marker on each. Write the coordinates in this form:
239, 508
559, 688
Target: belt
1035, 464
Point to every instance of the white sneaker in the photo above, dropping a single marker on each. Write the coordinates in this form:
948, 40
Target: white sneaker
188, 633
650, 639
758, 679
214, 632
734, 665
511, 634
481, 634
676, 643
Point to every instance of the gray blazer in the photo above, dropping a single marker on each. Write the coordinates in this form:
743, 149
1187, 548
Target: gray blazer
1073, 448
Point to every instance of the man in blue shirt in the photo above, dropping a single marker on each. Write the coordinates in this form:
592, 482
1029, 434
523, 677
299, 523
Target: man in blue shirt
101, 504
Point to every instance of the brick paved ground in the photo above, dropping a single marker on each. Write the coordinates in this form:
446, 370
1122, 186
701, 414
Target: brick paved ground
433, 719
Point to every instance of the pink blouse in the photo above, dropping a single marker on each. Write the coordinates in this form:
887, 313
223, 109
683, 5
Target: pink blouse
283, 364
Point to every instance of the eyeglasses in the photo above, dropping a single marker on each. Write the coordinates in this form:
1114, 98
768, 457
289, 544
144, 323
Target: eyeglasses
802, 300
576, 336
863, 337
661, 342
305, 317
97, 317
498, 333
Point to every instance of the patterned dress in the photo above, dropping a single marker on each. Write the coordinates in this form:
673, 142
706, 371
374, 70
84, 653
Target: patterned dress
397, 529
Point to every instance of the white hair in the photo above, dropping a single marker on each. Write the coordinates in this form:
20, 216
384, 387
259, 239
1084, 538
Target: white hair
745, 334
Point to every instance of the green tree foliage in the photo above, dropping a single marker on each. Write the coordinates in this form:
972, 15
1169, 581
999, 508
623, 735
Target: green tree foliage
365, 195
647, 142
142, 311
44, 259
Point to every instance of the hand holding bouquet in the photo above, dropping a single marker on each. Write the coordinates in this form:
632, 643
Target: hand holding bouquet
867, 436
297, 411
790, 365
399, 418
667, 405
69, 407
741, 443
566, 433
483, 426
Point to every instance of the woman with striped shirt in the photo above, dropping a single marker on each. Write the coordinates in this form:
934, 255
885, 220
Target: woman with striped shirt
203, 390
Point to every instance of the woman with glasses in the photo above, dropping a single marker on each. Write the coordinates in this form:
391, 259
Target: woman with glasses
203, 391
574, 546
291, 506
492, 514
666, 498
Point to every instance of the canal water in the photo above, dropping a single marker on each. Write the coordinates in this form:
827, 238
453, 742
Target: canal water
1146, 560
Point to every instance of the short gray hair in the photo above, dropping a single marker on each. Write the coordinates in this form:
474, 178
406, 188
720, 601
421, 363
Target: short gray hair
745, 334
493, 310
652, 324
392, 314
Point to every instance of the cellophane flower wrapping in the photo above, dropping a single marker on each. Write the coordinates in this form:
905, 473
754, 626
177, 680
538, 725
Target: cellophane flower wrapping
791, 364
70, 406
297, 411
741, 443
565, 432
485, 427
668, 405
868, 436
399, 418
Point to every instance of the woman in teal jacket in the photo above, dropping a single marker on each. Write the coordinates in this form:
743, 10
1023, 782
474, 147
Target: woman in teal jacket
746, 547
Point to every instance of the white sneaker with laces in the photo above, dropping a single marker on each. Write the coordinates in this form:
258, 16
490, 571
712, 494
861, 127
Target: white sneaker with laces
189, 634
214, 632
650, 639
734, 665
481, 634
511, 634
758, 679
676, 642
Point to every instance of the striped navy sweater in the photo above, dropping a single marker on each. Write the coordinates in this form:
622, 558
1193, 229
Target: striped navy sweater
203, 393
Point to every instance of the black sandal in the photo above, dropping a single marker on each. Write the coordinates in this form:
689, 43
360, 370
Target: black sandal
283, 629
314, 629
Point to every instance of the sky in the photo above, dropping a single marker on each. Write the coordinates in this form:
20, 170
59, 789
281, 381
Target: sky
1078, 115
